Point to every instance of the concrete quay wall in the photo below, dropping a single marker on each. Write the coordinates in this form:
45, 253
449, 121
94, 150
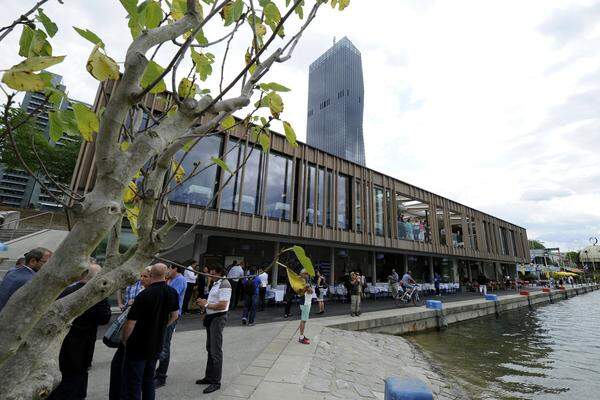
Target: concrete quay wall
409, 320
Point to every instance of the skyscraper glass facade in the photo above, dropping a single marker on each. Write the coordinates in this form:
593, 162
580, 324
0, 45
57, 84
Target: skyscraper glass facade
335, 103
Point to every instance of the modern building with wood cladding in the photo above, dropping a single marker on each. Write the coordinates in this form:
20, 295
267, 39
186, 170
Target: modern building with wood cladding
345, 215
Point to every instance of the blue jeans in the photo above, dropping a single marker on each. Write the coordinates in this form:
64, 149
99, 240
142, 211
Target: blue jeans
165, 355
138, 377
250, 304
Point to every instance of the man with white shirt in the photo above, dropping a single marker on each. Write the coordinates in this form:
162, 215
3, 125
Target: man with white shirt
190, 278
215, 307
234, 275
262, 290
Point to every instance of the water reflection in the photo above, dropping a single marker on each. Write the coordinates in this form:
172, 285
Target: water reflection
551, 352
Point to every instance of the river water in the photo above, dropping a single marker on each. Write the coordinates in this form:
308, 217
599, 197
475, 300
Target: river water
550, 352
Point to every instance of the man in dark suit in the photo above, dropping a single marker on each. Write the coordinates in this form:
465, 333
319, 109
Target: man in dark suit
34, 260
77, 350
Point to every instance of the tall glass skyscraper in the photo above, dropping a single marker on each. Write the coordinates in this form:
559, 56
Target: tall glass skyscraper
335, 102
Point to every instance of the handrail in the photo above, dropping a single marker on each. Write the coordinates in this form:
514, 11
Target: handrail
26, 218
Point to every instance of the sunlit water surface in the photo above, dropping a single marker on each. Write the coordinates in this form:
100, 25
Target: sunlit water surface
550, 352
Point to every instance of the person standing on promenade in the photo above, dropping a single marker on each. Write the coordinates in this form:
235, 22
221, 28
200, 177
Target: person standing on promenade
320, 288
155, 308
202, 283
116, 365
77, 349
393, 279
305, 308
131, 291
190, 277
437, 279
482, 281
355, 291
234, 276
179, 283
34, 261
251, 293
215, 308
264, 281
288, 299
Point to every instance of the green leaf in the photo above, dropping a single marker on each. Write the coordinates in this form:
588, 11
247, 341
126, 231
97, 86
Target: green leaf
130, 6
89, 35
273, 17
124, 146
233, 11
203, 62
56, 126
25, 41
275, 104
87, 121
37, 63
132, 213
23, 81
178, 171
187, 88
49, 26
221, 164
101, 66
39, 45
290, 135
152, 72
152, 15
299, 9
265, 141
178, 9
69, 123
228, 122
276, 87
200, 38
304, 260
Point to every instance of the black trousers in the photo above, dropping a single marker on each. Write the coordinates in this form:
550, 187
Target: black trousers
262, 292
214, 348
235, 286
73, 386
288, 305
116, 373
188, 295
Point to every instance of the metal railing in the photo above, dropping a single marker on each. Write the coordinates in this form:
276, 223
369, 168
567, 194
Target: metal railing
18, 221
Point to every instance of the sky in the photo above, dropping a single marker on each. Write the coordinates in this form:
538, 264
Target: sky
493, 104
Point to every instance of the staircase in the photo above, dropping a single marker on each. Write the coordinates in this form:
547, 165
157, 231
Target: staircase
11, 234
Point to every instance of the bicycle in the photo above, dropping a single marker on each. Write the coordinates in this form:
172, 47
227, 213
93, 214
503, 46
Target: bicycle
410, 295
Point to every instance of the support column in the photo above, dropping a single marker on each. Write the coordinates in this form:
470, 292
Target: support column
470, 274
332, 268
498, 268
374, 265
430, 269
200, 246
405, 263
275, 270
455, 270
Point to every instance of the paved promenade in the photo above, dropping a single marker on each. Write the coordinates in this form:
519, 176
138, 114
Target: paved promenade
266, 362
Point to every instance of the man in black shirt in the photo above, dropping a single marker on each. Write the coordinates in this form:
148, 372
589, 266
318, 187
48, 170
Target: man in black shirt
152, 311
77, 350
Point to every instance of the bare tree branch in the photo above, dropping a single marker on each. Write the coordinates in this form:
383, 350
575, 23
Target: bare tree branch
23, 19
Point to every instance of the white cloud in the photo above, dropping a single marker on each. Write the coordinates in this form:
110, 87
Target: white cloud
485, 102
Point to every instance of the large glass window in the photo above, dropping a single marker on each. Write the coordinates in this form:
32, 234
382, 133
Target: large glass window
321, 196
472, 226
358, 206
412, 218
250, 199
378, 203
441, 222
344, 213
388, 208
278, 197
457, 229
504, 241
514, 243
329, 211
202, 183
311, 181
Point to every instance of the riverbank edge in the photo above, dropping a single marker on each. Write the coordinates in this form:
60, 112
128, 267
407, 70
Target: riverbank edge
287, 369
411, 320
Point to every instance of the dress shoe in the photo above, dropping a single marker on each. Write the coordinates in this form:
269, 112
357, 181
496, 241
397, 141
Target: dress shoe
212, 388
203, 381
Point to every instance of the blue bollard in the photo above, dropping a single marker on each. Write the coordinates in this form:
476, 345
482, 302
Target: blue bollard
492, 297
434, 304
406, 389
